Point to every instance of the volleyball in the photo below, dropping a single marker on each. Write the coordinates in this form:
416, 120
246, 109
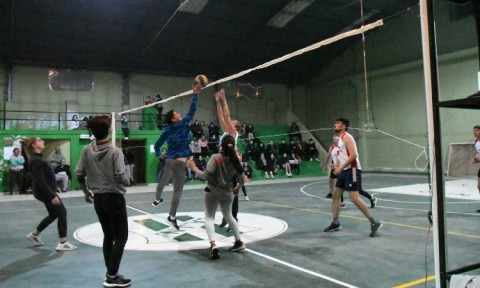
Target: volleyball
202, 79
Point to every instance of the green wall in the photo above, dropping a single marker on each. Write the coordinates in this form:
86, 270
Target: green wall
71, 146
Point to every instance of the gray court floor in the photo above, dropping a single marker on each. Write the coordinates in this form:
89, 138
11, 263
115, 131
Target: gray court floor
301, 256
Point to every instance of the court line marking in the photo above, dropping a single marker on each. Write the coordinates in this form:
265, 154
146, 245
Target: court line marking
298, 268
416, 282
362, 218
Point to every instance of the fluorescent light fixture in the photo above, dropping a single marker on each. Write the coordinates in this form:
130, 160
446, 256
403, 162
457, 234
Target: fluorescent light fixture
192, 6
359, 21
289, 12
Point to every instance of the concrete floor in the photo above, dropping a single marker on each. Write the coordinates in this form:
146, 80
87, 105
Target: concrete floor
298, 255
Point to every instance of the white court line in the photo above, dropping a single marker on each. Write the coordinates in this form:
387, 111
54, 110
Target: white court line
274, 259
301, 269
396, 208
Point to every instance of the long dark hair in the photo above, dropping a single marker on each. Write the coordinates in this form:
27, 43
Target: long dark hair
228, 149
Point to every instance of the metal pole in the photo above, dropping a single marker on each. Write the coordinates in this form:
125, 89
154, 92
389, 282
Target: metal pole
434, 141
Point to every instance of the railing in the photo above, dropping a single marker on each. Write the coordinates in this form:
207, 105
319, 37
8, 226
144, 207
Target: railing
46, 120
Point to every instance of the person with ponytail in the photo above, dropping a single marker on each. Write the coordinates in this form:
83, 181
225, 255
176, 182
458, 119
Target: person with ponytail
219, 174
45, 190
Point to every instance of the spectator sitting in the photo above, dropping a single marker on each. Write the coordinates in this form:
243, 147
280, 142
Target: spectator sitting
250, 150
311, 150
271, 165
213, 144
271, 148
213, 130
56, 157
195, 149
200, 163
283, 148
203, 143
247, 171
74, 124
260, 149
284, 164
63, 175
294, 163
261, 164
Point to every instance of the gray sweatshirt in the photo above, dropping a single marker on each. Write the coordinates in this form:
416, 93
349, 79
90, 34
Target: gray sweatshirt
220, 175
104, 166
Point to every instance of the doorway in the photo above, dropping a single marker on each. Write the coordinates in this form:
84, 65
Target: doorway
138, 149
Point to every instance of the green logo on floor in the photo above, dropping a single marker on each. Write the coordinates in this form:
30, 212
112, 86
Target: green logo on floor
153, 233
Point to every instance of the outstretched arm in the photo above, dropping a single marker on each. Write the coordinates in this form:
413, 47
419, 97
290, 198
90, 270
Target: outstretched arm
226, 115
218, 98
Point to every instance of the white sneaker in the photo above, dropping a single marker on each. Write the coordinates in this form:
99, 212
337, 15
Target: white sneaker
35, 239
271, 175
65, 246
246, 198
266, 175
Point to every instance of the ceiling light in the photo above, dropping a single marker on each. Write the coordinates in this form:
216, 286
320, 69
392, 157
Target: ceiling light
289, 12
192, 6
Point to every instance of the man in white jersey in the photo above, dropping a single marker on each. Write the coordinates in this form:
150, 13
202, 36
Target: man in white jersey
349, 178
476, 133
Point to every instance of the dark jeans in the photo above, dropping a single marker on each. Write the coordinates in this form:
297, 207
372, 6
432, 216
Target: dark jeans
16, 178
54, 212
126, 132
112, 214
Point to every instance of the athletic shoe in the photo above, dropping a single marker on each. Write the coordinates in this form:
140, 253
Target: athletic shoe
375, 228
478, 211
173, 222
155, 203
237, 246
65, 247
329, 195
343, 205
246, 198
373, 202
214, 252
35, 239
333, 227
223, 224
117, 281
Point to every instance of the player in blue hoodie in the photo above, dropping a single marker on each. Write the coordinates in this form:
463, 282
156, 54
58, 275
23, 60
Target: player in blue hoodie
177, 136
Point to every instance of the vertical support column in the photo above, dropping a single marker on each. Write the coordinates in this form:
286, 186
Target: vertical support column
434, 141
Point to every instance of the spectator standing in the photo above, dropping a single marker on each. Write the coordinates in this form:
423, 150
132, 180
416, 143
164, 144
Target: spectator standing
16, 163
124, 125
74, 124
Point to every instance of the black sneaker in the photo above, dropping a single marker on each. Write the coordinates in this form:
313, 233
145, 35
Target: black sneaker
223, 224
214, 252
117, 281
333, 227
155, 203
237, 246
329, 195
343, 205
478, 211
373, 202
375, 228
173, 222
